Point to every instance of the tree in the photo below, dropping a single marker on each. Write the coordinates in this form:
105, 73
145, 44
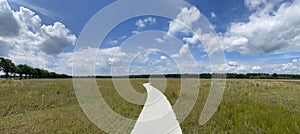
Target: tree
38, 73
52, 75
7, 66
1, 63
13, 70
31, 72
275, 76
26, 70
44, 73
19, 70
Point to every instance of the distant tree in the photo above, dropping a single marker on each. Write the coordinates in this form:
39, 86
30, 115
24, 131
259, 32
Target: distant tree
44, 73
13, 70
275, 76
7, 66
19, 70
52, 75
31, 72
26, 70
38, 73
1, 63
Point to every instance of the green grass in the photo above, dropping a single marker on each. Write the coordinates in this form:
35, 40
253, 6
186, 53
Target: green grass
248, 106
297, 83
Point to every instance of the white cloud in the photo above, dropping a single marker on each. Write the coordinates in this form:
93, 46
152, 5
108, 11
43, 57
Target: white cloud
118, 58
256, 68
163, 57
210, 41
233, 63
144, 56
253, 4
25, 40
159, 40
235, 43
4, 48
183, 52
56, 38
142, 23
268, 30
9, 25
113, 42
192, 40
107, 61
184, 20
291, 67
28, 19
152, 61
135, 32
34, 36
116, 41
213, 15
295, 60
185, 61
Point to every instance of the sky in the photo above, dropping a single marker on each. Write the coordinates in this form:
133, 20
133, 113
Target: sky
256, 36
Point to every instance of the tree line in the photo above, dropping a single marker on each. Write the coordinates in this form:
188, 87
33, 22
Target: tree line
25, 72
209, 75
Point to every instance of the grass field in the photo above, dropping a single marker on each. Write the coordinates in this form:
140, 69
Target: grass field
248, 106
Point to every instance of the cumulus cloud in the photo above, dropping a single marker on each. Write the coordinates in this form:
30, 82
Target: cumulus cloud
269, 29
233, 67
34, 36
142, 23
210, 41
256, 68
118, 58
185, 61
107, 61
192, 40
4, 49
184, 19
9, 25
57, 37
291, 67
184, 52
25, 40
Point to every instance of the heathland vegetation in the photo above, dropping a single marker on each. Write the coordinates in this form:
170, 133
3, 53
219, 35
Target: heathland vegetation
248, 106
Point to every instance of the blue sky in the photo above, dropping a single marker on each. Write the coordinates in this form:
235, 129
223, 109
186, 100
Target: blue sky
255, 36
75, 14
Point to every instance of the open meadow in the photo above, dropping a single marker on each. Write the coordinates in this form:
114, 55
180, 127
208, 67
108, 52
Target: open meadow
51, 106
